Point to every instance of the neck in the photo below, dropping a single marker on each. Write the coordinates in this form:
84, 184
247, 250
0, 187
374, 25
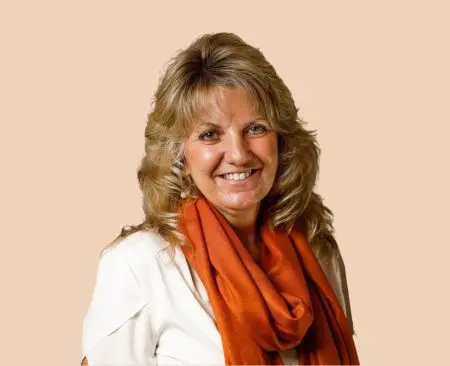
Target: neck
245, 226
244, 223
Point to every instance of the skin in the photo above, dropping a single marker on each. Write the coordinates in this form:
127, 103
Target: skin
232, 137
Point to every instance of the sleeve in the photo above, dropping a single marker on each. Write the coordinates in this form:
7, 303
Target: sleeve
338, 279
117, 328
334, 269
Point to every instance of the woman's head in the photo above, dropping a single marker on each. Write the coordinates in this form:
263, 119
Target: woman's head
231, 154
221, 80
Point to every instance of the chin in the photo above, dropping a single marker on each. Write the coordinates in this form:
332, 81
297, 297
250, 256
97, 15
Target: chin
239, 201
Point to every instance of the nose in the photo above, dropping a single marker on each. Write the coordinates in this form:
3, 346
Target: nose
237, 151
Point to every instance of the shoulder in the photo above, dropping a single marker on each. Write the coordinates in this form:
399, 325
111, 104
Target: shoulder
119, 266
140, 261
137, 257
142, 248
122, 273
136, 244
334, 269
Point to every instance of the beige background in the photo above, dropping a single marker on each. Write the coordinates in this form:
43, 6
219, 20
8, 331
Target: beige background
76, 79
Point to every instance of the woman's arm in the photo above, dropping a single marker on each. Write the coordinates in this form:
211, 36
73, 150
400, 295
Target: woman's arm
85, 361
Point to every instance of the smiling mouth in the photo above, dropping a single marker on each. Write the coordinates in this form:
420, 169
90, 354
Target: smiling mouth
238, 176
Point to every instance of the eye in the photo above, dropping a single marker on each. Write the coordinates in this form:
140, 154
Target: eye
209, 136
257, 130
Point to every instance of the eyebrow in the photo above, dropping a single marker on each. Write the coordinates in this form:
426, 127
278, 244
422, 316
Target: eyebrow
216, 125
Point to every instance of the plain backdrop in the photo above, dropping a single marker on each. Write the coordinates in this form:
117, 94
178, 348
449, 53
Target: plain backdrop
76, 81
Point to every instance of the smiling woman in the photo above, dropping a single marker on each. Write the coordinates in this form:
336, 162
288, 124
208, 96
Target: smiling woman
253, 274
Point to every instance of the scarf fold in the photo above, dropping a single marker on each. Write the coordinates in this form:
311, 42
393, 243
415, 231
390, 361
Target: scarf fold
285, 302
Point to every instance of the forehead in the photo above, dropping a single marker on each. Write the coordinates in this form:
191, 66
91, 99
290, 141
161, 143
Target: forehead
229, 101
223, 105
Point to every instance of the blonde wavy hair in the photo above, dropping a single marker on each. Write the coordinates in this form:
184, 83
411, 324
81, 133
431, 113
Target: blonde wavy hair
216, 61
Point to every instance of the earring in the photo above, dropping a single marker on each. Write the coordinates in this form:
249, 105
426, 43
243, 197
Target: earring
185, 186
188, 188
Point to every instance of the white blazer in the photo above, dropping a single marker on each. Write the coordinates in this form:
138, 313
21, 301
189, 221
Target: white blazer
146, 310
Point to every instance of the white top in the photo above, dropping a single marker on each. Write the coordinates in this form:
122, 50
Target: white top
146, 310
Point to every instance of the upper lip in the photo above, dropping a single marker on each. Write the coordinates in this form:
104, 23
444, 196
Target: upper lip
242, 171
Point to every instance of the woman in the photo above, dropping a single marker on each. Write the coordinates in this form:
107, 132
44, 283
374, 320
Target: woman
235, 262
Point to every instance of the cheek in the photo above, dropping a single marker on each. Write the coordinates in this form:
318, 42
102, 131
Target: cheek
201, 159
268, 151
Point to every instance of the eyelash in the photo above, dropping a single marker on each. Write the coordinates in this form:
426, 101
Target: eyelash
262, 128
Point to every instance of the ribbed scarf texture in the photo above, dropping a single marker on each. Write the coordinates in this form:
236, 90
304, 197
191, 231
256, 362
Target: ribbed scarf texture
285, 302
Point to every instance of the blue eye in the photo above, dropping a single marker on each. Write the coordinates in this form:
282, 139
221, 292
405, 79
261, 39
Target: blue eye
208, 136
257, 129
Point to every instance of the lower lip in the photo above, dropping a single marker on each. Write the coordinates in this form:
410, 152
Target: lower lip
255, 174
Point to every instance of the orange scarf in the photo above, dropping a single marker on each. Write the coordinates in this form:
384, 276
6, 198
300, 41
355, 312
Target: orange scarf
285, 303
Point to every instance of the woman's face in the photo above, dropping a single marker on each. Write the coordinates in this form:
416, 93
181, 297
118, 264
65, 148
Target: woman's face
232, 156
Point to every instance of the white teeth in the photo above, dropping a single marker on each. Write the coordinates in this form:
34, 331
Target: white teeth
237, 176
